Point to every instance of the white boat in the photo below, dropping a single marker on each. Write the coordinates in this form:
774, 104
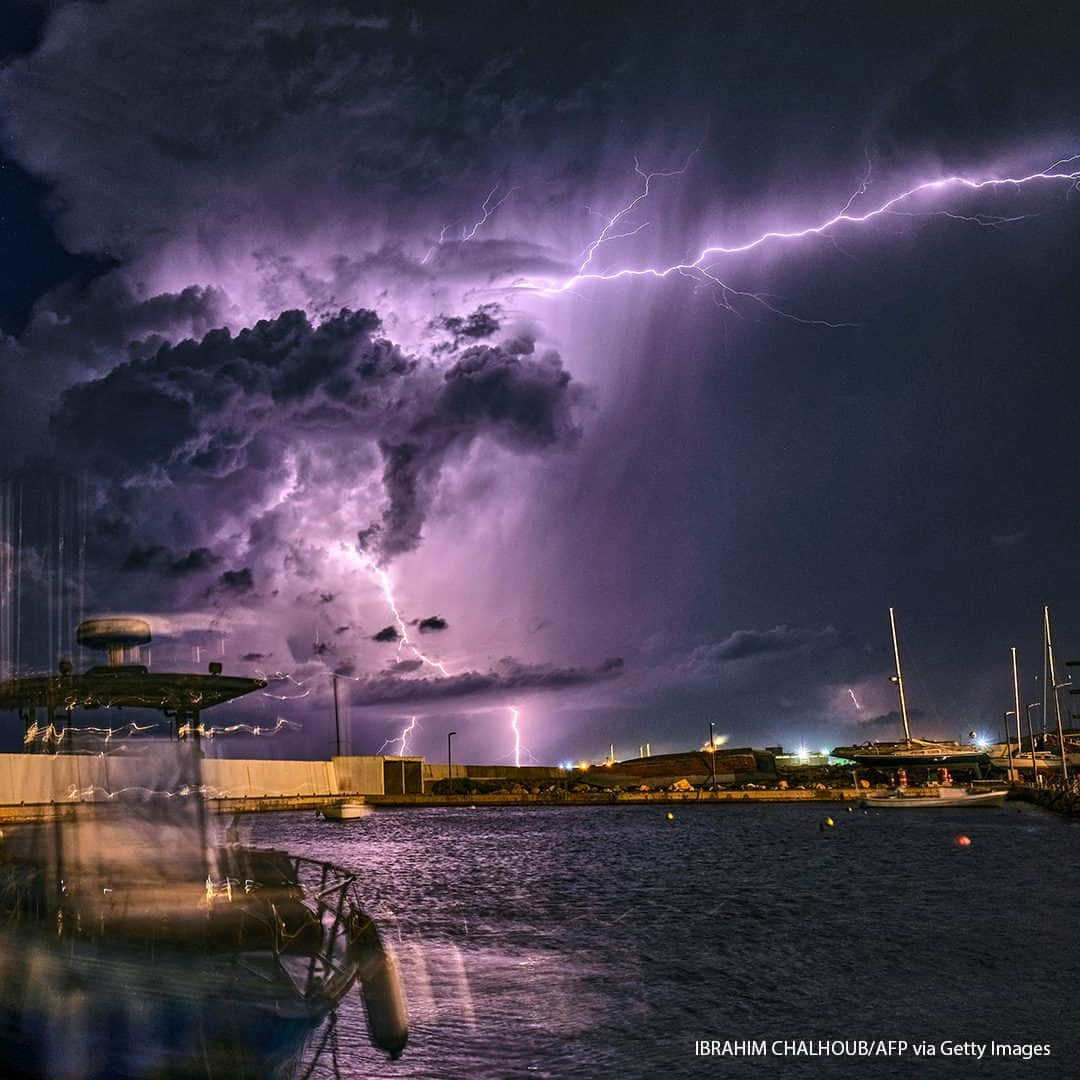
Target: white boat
943, 798
346, 811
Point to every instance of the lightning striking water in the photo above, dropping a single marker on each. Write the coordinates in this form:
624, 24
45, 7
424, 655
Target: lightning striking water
704, 267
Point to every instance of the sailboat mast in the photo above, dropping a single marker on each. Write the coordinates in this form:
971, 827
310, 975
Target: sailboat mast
1016, 700
1057, 700
900, 679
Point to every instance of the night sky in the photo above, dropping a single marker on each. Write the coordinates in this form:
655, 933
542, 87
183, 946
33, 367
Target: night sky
309, 305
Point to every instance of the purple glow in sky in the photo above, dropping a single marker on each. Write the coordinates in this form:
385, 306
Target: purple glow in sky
491, 377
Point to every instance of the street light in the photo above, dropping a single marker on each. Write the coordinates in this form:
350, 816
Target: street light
712, 753
1008, 745
450, 764
337, 715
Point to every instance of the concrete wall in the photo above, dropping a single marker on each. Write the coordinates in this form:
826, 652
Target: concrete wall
43, 778
359, 775
239, 778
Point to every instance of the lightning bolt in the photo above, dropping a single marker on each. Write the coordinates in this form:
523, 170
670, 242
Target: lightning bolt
704, 268
467, 231
517, 735
606, 233
854, 699
383, 579
402, 738
486, 211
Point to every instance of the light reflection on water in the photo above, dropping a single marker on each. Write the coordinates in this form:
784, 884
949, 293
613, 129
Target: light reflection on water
602, 941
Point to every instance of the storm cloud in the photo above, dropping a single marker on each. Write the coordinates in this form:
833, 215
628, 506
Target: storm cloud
220, 417
507, 676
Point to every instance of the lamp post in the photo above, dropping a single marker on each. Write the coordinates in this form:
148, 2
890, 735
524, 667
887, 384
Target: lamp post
712, 753
1008, 743
337, 715
450, 763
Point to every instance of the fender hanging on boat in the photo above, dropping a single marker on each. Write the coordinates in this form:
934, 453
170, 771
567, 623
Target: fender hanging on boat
380, 986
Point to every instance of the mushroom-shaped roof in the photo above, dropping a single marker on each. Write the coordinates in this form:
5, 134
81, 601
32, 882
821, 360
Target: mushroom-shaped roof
113, 632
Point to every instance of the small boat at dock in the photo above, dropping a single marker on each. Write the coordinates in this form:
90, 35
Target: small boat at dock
942, 799
346, 811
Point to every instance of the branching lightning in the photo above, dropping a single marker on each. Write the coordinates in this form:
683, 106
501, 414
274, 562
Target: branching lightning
402, 738
486, 210
704, 268
606, 234
469, 231
404, 641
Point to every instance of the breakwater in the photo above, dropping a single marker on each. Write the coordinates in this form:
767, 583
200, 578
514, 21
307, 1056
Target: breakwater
1062, 800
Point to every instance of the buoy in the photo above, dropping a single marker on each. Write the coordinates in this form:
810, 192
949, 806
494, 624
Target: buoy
963, 841
380, 987
670, 816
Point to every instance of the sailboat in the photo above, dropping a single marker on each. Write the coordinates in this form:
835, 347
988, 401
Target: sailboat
910, 752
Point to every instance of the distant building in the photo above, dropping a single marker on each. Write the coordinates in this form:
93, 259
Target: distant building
733, 766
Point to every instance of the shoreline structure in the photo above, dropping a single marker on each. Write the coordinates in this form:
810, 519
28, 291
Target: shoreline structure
36, 787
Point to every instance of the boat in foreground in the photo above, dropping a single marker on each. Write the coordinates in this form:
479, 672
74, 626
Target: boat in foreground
133, 941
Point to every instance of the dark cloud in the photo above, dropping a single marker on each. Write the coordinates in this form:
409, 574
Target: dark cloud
341, 629
254, 657
747, 644
432, 623
198, 99
404, 667
217, 419
161, 560
322, 648
508, 675
523, 403
891, 722
387, 633
237, 580
484, 322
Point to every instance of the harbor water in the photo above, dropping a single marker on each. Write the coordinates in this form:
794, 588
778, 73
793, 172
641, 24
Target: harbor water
622, 942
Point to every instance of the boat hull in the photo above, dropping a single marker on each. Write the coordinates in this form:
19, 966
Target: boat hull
93, 1013
935, 802
349, 811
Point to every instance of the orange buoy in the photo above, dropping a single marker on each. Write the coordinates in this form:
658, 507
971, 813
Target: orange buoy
963, 841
